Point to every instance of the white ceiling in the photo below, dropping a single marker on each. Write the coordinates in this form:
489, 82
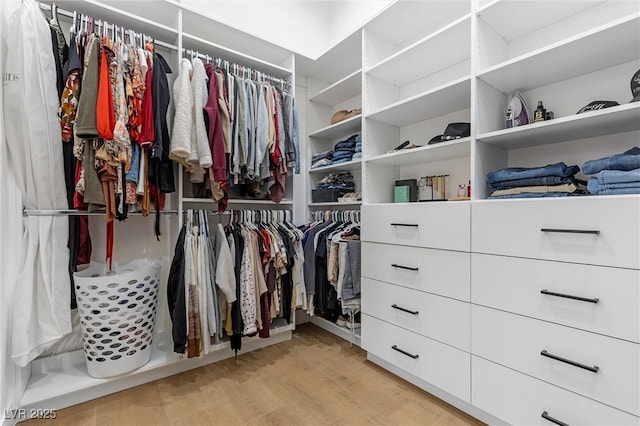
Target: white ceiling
306, 27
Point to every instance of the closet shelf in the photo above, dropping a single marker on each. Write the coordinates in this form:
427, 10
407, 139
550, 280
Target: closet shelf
284, 202
426, 56
622, 118
568, 57
340, 91
336, 204
404, 22
350, 165
343, 128
515, 19
425, 154
62, 380
190, 41
451, 97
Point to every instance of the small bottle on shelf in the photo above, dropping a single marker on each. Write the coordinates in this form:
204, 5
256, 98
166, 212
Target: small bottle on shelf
540, 113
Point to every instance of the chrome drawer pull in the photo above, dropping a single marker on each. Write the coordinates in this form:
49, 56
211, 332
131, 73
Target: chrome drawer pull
568, 296
394, 306
408, 268
546, 416
413, 225
395, 348
593, 369
571, 231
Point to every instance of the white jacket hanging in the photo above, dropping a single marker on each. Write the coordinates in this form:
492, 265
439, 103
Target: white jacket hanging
33, 138
180, 148
200, 97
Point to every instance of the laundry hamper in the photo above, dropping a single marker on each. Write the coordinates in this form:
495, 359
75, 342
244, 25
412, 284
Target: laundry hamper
117, 311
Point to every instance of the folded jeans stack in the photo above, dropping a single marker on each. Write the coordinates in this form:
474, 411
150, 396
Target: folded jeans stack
343, 151
322, 159
358, 153
552, 180
615, 175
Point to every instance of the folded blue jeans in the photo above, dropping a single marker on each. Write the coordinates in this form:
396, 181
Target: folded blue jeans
616, 176
628, 160
595, 187
537, 195
513, 173
621, 191
536, 181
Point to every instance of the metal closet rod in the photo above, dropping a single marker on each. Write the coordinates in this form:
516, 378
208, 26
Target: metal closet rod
69, 15
72, 212
169, 46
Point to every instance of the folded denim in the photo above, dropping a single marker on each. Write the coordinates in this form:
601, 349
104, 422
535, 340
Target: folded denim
357, 156
537, 189
321, 163
539, 195
343, 153
344, 145
536, 181
513, 173
617, 176
595, 187
628, 160
322, 155
620, 191
341, 160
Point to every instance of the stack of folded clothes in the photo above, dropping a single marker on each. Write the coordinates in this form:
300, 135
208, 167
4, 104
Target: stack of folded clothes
358, 154
341, 180
343, 151
615, 175
322, 159
552, 180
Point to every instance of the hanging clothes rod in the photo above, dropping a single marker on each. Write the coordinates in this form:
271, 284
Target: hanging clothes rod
72, 212
70, 15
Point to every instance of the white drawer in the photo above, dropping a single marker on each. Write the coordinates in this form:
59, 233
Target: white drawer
440, 318
515, 285
434, 225
520, 400
440, 365
517, 342
441, 272
515, 228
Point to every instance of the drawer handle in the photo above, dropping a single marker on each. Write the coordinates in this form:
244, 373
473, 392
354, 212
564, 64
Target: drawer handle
593, 369
571, 231
394, 306
408, 268
546, 416
395, 348
568, 296
412, 225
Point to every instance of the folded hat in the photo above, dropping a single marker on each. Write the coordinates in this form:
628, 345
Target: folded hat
635, 87
343, 114
597, 105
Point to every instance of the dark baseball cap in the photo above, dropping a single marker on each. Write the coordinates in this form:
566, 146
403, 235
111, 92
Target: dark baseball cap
597, 105
635, 87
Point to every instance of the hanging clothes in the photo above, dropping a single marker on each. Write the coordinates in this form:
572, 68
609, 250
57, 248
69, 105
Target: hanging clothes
37, 166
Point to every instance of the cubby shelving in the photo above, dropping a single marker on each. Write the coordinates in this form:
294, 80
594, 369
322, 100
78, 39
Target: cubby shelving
349, 165
340, 91
341, 128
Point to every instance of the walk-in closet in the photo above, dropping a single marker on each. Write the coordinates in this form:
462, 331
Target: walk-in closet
320, 212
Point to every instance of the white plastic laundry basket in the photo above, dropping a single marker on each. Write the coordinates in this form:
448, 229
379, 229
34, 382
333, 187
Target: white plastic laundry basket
117, 311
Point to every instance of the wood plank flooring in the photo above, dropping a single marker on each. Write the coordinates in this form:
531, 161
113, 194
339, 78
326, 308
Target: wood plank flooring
314, 379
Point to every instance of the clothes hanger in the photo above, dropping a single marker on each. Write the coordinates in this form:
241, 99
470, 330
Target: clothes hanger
54, 13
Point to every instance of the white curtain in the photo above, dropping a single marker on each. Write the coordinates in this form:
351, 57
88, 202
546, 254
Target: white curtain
32, 136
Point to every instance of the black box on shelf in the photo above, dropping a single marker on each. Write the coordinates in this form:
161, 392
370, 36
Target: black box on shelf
327, 195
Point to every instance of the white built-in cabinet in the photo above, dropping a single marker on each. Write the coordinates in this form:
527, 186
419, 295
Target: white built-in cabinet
468, 299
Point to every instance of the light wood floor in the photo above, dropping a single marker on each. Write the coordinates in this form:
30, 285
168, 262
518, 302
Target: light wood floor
314, 379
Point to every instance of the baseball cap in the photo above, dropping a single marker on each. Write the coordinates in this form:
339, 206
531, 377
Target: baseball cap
597, 105
635, 87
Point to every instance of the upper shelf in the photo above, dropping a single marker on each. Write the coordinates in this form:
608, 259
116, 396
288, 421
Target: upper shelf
405, 21
513, 19
342, 128
427, 55
340, 91
611, 44
623, 118
425, 154
239, 201
193, 42
451, 97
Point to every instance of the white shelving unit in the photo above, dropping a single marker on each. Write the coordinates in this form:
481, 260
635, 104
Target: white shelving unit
341, 128
347, 88
349, 165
